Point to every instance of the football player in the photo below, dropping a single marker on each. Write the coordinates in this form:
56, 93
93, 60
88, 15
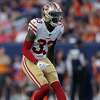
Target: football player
38, 51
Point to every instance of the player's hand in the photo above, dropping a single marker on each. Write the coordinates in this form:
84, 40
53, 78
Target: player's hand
42, 65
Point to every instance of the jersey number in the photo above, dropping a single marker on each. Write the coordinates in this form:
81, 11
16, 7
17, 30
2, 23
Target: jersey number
41, 50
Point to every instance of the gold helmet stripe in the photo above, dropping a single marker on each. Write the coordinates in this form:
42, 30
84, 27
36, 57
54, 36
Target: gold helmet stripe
55, 5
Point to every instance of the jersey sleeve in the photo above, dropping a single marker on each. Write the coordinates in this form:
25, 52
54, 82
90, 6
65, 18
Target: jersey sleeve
61, 32
33, 26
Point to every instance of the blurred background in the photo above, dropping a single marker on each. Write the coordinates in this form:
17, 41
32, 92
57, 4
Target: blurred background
77, 53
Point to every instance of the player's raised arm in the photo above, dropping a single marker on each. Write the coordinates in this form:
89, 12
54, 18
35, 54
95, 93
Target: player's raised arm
29, 40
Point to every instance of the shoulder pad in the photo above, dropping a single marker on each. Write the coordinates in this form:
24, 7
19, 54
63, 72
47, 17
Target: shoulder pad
33, 26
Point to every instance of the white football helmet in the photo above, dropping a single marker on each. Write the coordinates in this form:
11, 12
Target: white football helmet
52, 13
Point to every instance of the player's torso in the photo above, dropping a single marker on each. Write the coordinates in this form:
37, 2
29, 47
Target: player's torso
44, 38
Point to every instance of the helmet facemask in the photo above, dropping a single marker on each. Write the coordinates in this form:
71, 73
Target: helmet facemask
55, 17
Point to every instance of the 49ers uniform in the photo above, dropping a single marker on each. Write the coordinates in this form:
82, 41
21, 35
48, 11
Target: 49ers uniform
43, 37
39, 50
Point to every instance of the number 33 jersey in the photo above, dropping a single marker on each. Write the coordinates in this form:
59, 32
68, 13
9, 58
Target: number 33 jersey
44, 38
